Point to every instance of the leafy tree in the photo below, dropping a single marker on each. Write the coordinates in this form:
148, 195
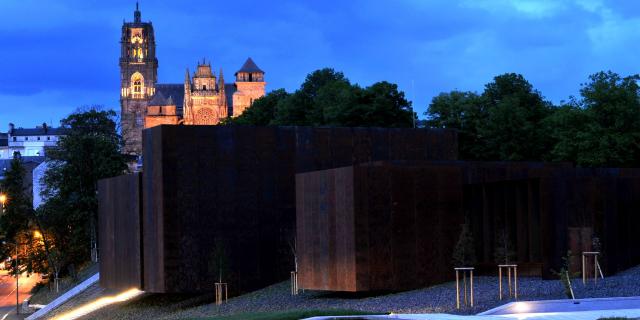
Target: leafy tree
459, 110
17, 224
327, 98
89, 151
612, 135
506, 122
513, 129
262, 111
15, 219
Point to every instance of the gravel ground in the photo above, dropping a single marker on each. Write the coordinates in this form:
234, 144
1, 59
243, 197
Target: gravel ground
440, 298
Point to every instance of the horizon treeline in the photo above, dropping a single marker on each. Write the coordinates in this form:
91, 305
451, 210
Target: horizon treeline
508, 121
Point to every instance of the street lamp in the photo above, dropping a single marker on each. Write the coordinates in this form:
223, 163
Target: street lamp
3, 200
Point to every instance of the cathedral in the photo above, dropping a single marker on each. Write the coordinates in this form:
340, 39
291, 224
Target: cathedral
203, 98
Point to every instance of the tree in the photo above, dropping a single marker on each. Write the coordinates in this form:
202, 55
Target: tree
464, 253
568, 126
262, 111
15, 219
14, 223
611, 136
327, 98
513, 129
504, 251
459, 110
89, 151
506, 122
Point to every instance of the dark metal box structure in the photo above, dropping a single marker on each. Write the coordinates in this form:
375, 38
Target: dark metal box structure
222, 198
393, 226
119, 211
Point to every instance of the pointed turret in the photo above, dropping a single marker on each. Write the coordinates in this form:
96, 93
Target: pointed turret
250, 72
187, 82
221, 82
137, 16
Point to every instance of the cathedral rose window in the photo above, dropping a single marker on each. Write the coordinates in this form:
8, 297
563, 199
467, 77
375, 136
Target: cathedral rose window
206, 116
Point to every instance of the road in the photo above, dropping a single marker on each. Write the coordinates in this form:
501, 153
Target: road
8, 292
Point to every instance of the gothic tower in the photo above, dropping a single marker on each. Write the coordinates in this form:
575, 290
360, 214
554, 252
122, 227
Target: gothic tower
205, 100
250, 85
138, 78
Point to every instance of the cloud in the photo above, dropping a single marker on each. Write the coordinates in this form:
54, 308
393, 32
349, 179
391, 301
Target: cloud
529, 8
58, 55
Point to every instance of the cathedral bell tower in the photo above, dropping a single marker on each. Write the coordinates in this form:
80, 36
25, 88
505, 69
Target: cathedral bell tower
138, 78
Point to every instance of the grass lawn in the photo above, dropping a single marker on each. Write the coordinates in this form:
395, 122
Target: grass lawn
288, 315
44, 294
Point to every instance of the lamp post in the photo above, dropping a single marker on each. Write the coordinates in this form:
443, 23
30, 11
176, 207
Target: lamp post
17, 277
17, 282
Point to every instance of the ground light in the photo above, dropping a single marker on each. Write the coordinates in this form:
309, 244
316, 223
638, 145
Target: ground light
99, 304
521, 307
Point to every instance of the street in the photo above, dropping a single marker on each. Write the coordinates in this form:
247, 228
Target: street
8, 292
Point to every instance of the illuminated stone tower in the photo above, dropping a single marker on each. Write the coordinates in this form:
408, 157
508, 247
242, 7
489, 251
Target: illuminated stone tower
250, 86
138, 78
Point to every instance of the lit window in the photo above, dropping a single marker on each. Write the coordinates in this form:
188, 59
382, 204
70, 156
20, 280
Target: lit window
137, 86
139, 120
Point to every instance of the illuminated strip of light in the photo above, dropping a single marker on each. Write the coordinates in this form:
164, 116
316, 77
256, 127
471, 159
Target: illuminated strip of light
99, 304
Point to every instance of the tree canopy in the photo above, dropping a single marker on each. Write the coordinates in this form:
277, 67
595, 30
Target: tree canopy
89, 151
511, 120
327, 98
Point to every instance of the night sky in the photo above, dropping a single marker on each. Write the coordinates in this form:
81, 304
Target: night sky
56, 56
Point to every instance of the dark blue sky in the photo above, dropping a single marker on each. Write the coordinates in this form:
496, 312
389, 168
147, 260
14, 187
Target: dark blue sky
59, 55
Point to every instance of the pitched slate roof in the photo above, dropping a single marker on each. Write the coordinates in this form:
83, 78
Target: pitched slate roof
175, 91
249, 66
158, 99
37, 131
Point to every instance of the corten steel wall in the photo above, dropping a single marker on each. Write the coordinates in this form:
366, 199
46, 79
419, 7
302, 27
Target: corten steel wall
378, 227
233, 187
119, 210
365, 228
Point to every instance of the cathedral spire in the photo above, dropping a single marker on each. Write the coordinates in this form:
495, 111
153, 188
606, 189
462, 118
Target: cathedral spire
187, 81
221, 82
137, 17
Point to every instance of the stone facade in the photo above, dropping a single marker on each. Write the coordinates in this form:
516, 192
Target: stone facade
203, 98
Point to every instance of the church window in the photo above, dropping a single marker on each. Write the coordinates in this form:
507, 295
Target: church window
137, 85
206, 116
